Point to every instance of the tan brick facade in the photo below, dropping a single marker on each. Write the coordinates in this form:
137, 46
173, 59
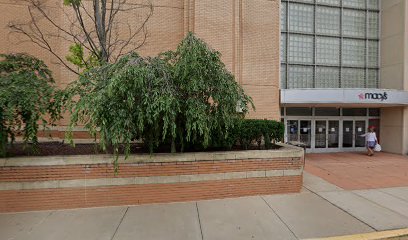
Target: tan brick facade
245, 32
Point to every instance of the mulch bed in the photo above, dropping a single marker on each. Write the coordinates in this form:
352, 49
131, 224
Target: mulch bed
60, 148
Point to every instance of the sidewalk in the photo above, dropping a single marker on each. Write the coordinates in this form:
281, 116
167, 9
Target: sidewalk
320, 210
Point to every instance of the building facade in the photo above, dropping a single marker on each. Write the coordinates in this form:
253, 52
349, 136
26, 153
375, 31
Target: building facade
327, 68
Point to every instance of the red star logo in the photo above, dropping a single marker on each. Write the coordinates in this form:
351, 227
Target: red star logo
361, 96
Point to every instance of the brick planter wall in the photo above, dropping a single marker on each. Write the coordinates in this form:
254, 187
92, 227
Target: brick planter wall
43, 183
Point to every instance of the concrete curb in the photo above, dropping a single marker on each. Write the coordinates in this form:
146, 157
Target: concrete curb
391, 234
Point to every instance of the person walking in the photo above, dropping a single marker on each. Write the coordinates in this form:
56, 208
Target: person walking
371, 140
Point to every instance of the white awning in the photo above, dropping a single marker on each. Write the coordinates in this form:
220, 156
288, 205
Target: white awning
344, 97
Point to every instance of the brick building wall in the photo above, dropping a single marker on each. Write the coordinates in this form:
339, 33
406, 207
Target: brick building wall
245, 32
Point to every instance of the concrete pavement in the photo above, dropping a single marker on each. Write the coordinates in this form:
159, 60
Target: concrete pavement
320, 210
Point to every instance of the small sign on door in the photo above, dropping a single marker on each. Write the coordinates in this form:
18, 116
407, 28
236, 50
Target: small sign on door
360, 129
347, 129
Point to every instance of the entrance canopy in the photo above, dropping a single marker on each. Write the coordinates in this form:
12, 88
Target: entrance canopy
344, 97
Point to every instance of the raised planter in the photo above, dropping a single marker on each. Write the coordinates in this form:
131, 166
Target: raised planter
59, 182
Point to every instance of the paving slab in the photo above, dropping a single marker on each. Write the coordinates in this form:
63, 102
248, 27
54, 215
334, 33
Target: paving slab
310, 216
162, 221
378, 217
89, 224
356, 171
399, 192
18, 225
317, 184
386, 200
241, 218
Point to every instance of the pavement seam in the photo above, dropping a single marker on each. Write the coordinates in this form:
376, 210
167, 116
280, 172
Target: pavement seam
379, 205
41, 222
400, 198
199, 221
287, 226
360, 220
120, 222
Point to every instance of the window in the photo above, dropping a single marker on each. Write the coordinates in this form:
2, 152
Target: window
352, 78
300, 49
329, 2
301, 18
283, 48
354, 112
284, 17
283, 76
373, 4
354, 3
372, 78
372, 53
354, 23
298, 111
353, 52
327, 77
327, 50
300, 77
327, 111
328, 20
373, 23
330, 43
374, 112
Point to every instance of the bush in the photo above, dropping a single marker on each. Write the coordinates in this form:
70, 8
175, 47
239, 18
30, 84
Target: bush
177, 99
250, 131
26, 98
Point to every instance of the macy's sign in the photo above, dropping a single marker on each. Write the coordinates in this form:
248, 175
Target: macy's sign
375, 96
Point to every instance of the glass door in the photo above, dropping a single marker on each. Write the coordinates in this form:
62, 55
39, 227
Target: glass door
305, 135
293, 130
299, 131
333, 134
348, 133
320, 134
359, 128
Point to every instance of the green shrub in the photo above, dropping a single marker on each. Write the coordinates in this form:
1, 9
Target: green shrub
250, 131
26, 97
177, 99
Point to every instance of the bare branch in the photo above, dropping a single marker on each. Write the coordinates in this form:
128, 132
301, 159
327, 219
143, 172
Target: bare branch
132, 36
95, 27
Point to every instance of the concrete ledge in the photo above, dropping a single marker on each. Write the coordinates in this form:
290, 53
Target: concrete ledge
283, 152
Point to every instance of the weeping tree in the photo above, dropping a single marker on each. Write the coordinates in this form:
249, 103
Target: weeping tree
98, 31
179, 99
27, 99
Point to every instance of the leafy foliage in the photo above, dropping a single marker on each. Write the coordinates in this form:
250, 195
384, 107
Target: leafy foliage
179, 99
26, 97
77, 57
251, 131
208, 94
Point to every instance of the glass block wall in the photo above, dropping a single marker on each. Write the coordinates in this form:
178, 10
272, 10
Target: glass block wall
330, 43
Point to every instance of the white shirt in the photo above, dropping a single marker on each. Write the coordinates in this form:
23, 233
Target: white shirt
370, 137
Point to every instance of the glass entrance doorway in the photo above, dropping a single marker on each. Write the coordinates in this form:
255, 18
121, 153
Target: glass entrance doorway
352, 131
299, 131
329, 129
326, 134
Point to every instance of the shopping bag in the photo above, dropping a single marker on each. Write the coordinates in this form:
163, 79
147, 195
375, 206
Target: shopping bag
377, 147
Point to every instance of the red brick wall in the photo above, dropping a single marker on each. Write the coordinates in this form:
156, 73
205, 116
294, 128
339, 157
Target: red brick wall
133, 194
